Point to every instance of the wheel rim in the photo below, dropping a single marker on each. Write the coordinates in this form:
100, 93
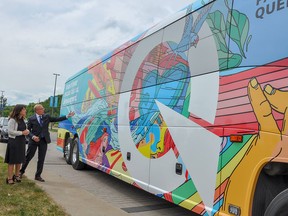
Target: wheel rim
74, 153
67, 151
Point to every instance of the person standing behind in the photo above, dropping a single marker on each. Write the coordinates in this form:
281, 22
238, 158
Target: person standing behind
15, 152
38, 124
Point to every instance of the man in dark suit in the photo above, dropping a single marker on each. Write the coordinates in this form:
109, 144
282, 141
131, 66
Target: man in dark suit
38, 125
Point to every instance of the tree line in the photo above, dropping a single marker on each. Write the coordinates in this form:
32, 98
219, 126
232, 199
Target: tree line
30, 111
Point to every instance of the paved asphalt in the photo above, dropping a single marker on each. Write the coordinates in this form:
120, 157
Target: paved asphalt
91, 192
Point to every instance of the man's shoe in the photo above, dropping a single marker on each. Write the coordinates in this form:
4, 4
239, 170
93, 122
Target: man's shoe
38, 178
21, 175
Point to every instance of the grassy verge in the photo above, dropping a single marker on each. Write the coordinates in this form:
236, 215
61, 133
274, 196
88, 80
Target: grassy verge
25, 198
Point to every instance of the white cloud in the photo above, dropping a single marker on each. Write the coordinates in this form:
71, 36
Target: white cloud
39, 38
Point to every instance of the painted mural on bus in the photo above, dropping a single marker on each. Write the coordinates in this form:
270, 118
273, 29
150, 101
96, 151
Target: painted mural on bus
204, 94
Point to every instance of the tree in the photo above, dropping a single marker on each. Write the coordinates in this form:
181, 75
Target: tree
30, 108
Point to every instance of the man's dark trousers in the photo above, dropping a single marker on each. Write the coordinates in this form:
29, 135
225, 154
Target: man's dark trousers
42, 149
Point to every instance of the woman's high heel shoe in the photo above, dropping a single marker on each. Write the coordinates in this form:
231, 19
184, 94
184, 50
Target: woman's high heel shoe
9, 181
16, 178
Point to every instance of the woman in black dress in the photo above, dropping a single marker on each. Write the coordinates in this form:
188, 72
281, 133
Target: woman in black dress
15, 152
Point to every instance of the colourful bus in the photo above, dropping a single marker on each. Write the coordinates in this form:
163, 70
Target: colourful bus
192, 110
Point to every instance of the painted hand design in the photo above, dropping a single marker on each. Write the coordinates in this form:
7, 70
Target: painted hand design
270, 144
271, 137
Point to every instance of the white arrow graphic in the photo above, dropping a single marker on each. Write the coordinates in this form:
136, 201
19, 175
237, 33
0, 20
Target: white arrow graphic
151, 174
199, 150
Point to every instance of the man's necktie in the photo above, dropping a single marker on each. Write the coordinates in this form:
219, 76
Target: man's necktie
40, 120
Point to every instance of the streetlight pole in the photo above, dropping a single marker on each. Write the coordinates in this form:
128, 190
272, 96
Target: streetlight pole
3, 101
53, 99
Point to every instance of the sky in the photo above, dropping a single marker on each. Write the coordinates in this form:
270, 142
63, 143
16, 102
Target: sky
41, 38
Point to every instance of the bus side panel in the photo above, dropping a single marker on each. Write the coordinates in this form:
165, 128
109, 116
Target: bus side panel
175, 93
132, 130
262, 38
258, 38
178, 89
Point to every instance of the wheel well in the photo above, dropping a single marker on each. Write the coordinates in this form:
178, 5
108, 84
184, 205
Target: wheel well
75, 136
272, 180
67, 135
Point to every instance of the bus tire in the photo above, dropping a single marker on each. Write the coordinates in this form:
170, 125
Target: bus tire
279, 205
67, 150
76, 163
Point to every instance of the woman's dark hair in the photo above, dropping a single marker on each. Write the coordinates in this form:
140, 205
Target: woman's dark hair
15, 114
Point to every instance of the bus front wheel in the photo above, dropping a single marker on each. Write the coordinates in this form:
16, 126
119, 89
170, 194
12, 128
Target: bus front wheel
279, 205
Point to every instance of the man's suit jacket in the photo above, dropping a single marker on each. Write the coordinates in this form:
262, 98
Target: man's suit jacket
41, 131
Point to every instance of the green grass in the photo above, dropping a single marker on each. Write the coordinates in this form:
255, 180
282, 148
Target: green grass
25, 198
